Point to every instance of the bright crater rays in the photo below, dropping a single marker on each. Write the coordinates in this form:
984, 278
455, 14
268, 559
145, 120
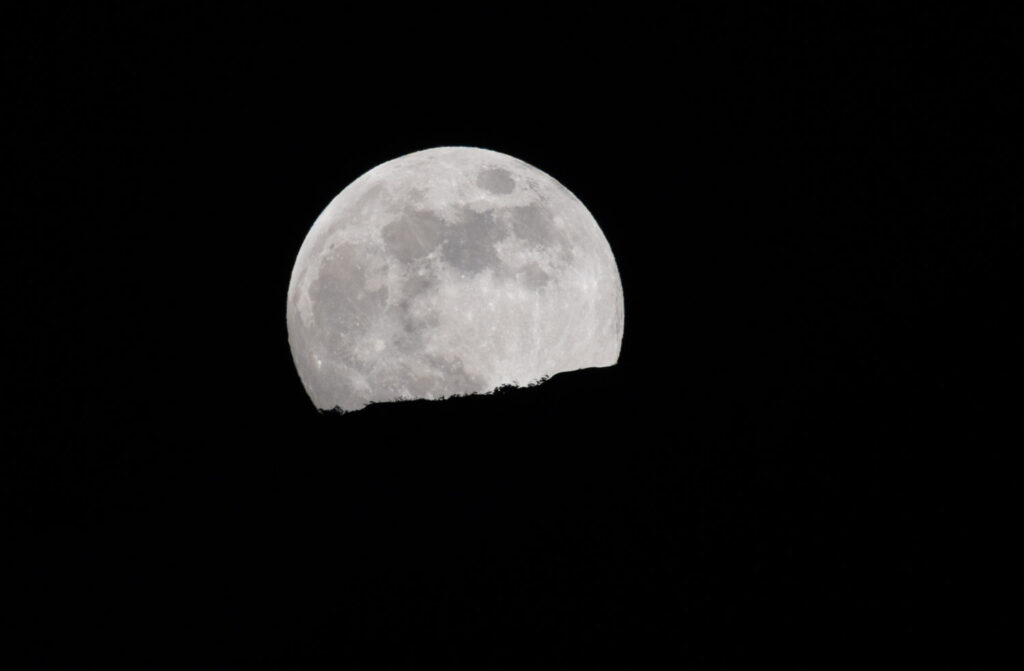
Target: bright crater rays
450, 271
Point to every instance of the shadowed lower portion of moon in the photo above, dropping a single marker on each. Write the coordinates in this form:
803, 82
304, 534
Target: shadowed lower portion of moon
446, 272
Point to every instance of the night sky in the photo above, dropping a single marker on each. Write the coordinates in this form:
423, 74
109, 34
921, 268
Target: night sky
810, 209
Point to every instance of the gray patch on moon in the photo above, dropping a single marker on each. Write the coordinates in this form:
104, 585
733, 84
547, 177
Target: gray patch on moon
533, 223
341, 304
414, 235
533, 276
496, 181
415, 285
469, 243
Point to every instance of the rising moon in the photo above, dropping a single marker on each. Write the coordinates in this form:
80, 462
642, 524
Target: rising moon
446, 272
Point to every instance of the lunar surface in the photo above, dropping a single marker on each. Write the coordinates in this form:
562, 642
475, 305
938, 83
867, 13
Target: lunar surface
446, 272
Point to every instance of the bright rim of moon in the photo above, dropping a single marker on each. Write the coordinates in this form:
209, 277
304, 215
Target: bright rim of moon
446, 272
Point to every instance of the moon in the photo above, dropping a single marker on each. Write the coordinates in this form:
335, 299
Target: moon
446, 272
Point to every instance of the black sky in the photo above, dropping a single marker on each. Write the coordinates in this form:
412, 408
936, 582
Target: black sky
811, 212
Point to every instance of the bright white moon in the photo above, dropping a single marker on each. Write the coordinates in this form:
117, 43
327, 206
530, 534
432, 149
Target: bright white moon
450, 271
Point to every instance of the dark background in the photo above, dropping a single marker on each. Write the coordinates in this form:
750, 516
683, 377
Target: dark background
811, 212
